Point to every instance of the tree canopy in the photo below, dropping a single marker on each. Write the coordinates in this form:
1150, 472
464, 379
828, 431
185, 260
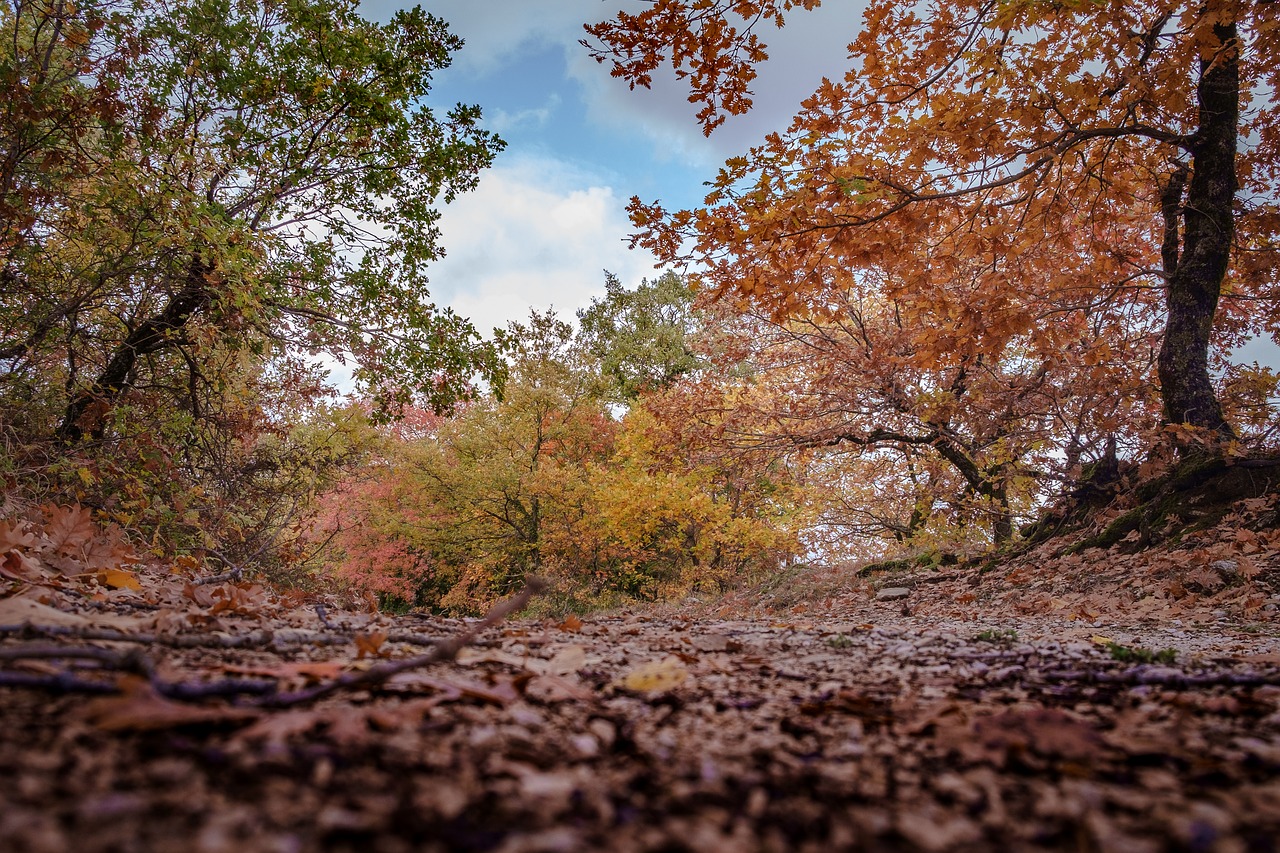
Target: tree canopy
185, 180
1041, 181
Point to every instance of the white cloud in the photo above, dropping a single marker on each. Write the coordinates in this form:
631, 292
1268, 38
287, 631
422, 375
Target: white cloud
501, 121
536, 233
812, 45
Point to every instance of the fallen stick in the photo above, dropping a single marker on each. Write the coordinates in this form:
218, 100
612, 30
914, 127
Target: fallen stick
444, 650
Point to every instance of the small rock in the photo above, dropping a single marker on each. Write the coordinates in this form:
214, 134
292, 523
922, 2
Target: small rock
892, 593
1227, 568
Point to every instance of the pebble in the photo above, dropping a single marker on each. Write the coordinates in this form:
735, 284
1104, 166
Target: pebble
892, 593
1226, 568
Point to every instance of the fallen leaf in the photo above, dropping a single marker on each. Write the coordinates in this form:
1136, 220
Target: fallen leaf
139, 708
309, 670
655, 676
550, 689
15, 611
572, 624
567, 660
501, 694
371, 644
119, 579
68, 529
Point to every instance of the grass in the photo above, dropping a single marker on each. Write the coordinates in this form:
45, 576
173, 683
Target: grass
1137, 654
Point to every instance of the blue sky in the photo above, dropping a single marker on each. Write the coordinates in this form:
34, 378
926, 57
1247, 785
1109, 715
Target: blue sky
550, 217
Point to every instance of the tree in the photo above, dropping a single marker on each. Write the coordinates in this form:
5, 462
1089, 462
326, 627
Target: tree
261, 179
909, 431
468, 505
641, 337
1081, 152
460, 508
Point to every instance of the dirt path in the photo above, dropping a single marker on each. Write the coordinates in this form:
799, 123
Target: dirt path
872, 730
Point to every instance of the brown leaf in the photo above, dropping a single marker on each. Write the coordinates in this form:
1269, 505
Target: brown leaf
140, 708
68, 529
15, 611
371, 644
567, 660
310, 671
551, 689
1047, 732
501, 694
14, 534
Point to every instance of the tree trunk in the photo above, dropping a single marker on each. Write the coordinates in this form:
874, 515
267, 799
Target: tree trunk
150, 336
1195, 281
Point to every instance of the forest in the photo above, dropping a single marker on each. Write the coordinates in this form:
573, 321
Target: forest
965, 334
888, 333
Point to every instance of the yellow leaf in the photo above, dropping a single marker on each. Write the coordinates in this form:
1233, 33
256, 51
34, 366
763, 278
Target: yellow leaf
655, 676
118, 579
1101, 640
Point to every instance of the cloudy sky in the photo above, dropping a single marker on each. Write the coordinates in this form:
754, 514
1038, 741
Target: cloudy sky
550, 217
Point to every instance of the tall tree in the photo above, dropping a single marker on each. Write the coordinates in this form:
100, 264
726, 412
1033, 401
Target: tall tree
1137, 140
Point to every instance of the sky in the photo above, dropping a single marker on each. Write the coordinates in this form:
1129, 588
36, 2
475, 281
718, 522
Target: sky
550, 216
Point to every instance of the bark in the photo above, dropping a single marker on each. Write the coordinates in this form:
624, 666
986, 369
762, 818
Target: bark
1195, 280
151, 335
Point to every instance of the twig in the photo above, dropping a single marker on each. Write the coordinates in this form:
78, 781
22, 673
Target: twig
190, 690
130, 659
62, 682
324, 618
233, 575
444, 650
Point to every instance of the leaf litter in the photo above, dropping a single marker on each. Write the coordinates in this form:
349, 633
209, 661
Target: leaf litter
980, 713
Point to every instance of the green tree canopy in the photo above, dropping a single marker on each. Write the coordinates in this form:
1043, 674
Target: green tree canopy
641, 337
248, 181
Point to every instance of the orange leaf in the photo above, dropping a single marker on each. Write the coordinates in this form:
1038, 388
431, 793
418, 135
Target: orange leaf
572, 624
119, 579
371, 644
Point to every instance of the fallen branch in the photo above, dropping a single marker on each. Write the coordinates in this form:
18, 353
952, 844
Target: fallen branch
444, 650
234, 575
131, 659
62, 682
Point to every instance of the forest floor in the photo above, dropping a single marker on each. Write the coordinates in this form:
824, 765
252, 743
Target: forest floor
1092, 701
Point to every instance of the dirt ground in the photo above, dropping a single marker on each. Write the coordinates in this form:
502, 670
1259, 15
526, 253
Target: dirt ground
823, 714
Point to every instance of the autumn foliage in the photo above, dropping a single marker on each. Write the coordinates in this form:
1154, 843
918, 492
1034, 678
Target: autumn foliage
547, 480
1024, 187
